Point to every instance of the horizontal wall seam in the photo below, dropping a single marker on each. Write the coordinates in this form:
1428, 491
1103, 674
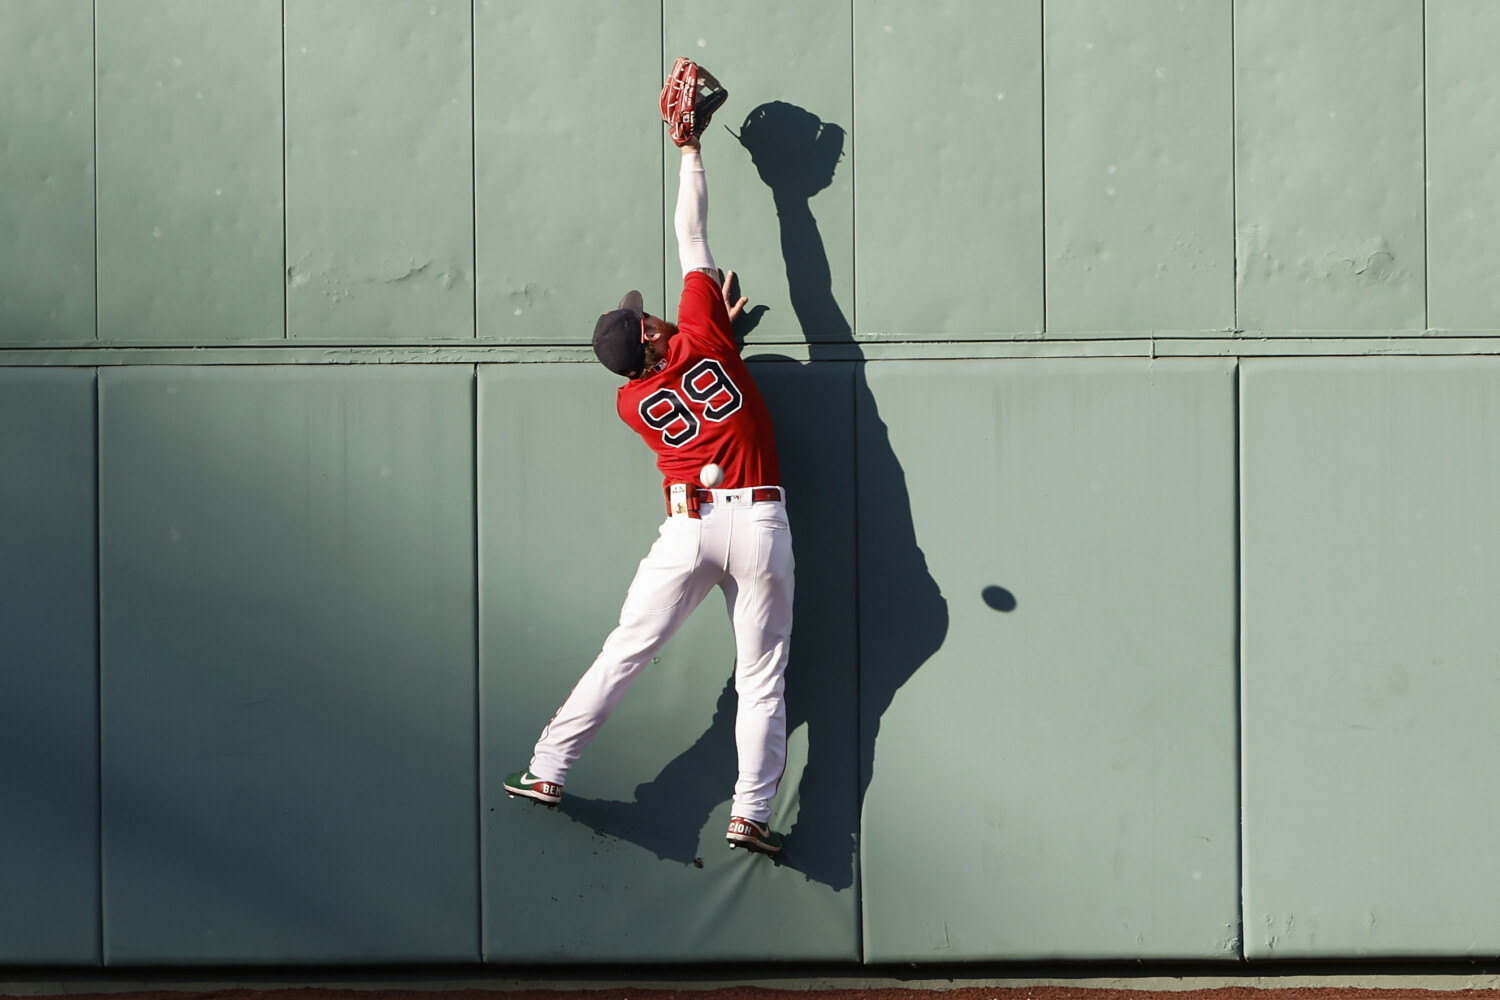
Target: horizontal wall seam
863, 350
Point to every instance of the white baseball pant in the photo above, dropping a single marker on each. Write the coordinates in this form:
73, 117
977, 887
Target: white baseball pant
745, 549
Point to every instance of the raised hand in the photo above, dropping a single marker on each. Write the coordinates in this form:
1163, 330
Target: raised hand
727, 288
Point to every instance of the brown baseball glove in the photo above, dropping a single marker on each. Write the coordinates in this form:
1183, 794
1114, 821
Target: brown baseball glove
689, 99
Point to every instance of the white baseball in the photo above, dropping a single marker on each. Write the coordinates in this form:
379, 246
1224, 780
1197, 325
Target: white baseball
711, 475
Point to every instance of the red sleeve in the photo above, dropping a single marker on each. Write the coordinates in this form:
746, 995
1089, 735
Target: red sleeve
701, 313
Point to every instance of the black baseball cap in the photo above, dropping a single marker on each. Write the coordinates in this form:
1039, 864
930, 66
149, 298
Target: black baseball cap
617, 337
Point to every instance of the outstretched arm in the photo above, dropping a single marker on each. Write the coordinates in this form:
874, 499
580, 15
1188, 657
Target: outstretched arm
691, 219
691, 222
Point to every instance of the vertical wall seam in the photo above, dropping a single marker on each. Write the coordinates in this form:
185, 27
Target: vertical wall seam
854, 372
474, 164
1239, 644
99, 648
1234, 177
661, 66
474, 481
286, 306
474, 425
94, 44
1426, 189
853, 185
1042, 117
98, 521
858, 370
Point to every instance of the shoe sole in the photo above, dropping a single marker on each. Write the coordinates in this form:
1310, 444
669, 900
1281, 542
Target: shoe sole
752, 845
550, 801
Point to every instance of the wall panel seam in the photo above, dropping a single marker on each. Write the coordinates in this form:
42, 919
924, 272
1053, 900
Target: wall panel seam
99, 652
1426, 188
1478, 343
94, 90
853, 177
857, 372
479, 869
1042, 118
661, 64
1234, 176
1239, 641
474, 161
286, 319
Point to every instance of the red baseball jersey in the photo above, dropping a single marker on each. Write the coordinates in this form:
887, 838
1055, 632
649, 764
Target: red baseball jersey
703, 406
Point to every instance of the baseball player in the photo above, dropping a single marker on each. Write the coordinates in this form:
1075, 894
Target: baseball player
689, 395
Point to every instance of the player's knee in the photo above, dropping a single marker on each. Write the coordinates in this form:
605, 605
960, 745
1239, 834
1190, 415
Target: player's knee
762, 690
625, 656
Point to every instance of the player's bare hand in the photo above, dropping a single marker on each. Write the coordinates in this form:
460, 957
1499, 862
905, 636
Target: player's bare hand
734, 305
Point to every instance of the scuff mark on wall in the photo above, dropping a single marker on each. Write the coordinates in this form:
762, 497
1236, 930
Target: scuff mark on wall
527, 296
1368, 262
337, 279
530, 293
1271, 938
412, 272
1372, 263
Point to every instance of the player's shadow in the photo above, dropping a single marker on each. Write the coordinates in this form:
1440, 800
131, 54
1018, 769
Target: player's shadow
901, 617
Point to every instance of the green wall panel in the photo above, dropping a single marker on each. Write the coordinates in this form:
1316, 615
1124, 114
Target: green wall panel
1140, 166
379, 170
780, 171
949, 189
330, 607
49, 718
189, 151
632, 866
1329, 172
46, 171
1370, 673
1047, 644
1463, 163
287, 664
568, 166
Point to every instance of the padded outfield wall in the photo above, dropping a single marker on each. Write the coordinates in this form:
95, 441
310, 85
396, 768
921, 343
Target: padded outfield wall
1133, 367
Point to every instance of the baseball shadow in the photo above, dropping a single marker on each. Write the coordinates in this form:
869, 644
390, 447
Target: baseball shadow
796, 155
